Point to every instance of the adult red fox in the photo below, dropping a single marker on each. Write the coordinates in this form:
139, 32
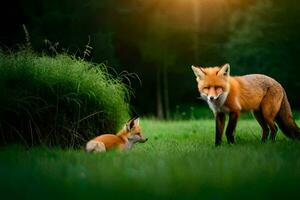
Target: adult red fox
255, 92
123, 140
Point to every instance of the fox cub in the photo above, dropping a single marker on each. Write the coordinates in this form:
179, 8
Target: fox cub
123, 140
258, 93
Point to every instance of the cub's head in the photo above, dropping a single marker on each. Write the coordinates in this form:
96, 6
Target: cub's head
213, 82
134, 131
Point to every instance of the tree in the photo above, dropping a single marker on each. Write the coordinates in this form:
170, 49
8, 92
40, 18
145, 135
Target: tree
155, 48
265, 39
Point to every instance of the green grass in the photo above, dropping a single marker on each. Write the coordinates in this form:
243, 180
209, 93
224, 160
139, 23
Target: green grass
57, 100
178, 162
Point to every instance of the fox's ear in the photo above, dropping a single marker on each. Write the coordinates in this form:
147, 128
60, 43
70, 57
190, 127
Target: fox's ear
198, 71
136, 122
225, 70
132, 123
126, 127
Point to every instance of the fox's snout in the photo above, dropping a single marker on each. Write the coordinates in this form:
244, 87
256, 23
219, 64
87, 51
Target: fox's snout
143, 140
211, 98
137, 138
215, 97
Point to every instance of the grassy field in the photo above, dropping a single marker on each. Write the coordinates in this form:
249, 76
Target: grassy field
178, 162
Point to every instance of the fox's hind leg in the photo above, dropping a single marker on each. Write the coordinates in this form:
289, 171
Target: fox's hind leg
262, 122
270, 106
273, 128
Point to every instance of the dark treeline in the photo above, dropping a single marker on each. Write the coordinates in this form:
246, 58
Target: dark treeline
160, 39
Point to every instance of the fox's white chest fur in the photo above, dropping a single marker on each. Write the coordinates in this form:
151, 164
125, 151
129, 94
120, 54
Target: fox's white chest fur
128, 145
217, 107
217, 104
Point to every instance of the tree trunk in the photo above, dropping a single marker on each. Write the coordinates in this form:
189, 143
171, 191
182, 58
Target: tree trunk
159, 103
166, 92
196, 34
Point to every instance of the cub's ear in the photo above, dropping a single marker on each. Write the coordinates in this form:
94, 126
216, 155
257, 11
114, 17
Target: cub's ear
126, 127
198, 71
225, 70
136, 122
132, 123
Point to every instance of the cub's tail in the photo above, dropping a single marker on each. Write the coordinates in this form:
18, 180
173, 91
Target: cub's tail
285, 120
95, 146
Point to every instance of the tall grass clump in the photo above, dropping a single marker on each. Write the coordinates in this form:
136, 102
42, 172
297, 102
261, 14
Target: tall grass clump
57, 100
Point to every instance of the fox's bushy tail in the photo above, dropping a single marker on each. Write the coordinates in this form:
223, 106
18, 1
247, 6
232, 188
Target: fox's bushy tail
95, 146
285, 120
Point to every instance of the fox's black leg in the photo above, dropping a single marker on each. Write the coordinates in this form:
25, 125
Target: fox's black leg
220, 123
233, 118
262, 122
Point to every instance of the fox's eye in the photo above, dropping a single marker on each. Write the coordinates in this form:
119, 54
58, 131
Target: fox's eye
219, 88
206, 88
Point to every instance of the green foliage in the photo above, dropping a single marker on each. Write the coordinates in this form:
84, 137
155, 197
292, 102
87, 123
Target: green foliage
179, 161
163, 38
265, 39
57, 100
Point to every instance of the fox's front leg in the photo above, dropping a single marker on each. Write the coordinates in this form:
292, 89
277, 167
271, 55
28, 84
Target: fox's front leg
233, 118
220, 123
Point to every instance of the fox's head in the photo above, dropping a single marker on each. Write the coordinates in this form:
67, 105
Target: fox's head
133, 131
213, 83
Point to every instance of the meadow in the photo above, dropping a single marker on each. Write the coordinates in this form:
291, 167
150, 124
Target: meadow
83, 67
179, 161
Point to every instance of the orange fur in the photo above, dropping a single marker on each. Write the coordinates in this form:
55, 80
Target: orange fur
258, 93
123, 140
